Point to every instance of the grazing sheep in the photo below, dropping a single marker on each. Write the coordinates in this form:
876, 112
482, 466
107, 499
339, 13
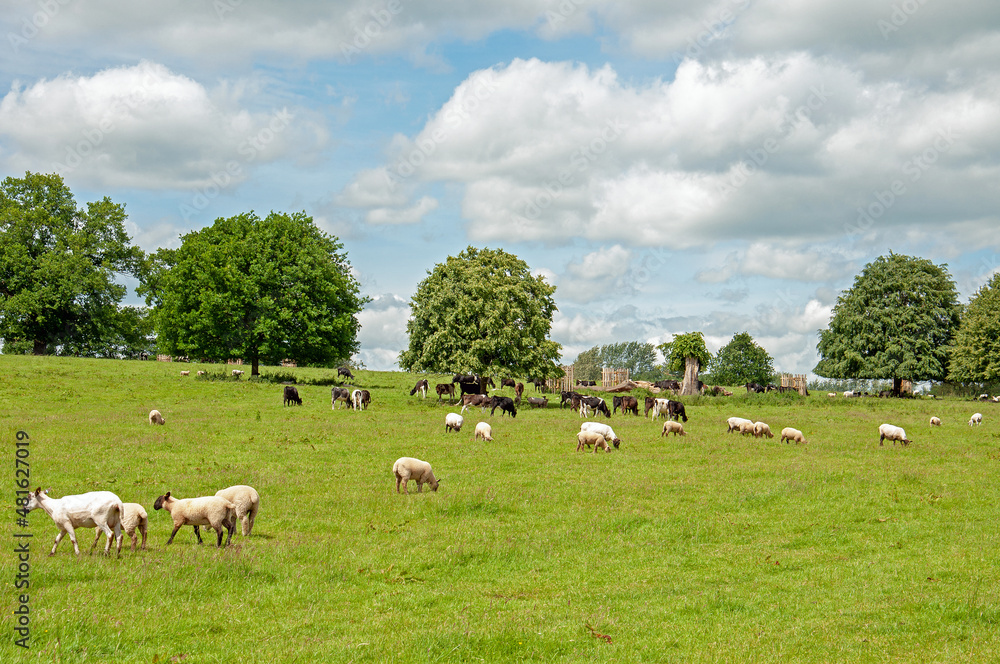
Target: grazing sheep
976, 419
761, 429
237, 372
670, 426
604, 430
453, 422
592, 438
156, 418
290, 395
536, 402
789, 434
735, 423
484, 431
213, 511
133, 518
935, 421
247, 503
96, 509
408, 468
893, 433
185, 373
202, 373
831, 394
746, 428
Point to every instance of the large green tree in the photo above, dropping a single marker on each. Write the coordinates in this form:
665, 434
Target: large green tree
262, 290
975, 357
482, 312
688, 353
639, 358
896, 322
59, 265
588, 365
742, 361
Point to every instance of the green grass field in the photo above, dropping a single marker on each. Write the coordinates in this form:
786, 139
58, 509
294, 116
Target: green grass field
711, 547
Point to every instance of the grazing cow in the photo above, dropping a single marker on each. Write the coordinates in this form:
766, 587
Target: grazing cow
668, 385
345, 372
675, 409
445, 388
586, 383
360, 399
518, 391
467, 388
656, 406
507, 382
627, 404
536, 402
291, 395
481, 400
339, 394
565, 396
422, 386
538, 383
754, 387
505, 404
597, 404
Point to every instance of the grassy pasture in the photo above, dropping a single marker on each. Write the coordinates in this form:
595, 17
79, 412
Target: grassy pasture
711, 547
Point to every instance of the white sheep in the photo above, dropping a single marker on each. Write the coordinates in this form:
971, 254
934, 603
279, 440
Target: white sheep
592, 438
671, 426
935, 421
893, 433
453, 422
95, 509
185, 373
247, 503
237, 372
408, 468
213, 511
976, 419
761, 429
789, 434
735, 423
831, 394
133, 518
746, 428
156, 418
603, 429
202, 373
484, 431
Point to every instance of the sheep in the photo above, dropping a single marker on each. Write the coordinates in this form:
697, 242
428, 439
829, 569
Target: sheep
761, 429
604, 430
935, 421
237, 372
95, 509
453, 422
588, 438
893, 433
746, 428
976, 419
202, 373
213, 511
484, 431
408, 468
831, 394
789, 434
133, 518
156, 418
670, 426
735, 422
247, 503
185, 373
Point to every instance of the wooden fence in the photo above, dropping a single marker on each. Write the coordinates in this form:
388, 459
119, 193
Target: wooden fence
797, 382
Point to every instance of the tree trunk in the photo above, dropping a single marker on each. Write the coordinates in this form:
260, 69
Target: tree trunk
482, 384
897, 385
39, 348
690, 385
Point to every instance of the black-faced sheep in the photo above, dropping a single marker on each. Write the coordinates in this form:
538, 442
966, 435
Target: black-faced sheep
156, 418
213, 511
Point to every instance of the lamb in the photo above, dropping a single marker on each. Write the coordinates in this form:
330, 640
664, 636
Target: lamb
484, 431
133, 518
670, 426
735, 422
185, 373
213, 511
588, 438
408, 468
746, 427
789, 434
453, 422
202, 373
761, 429
156, 418
604, 430
95, 509
247, 503
935, 421
893, 433
831, 394
976, 419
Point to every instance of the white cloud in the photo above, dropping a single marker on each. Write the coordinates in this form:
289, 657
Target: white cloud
410, 215
383, 323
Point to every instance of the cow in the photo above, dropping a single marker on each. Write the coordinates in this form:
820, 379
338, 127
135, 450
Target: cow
586, 383
565, 396
518, 391
339, 394
507, 382
672, 409
505, 404
668, 385
538, 383
443, 389
754, 387
291, 395
481, 400
345, 372
422, 386
597, 404
626, 403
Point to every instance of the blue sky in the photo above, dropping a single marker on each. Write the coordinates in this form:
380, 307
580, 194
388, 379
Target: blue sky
669, 166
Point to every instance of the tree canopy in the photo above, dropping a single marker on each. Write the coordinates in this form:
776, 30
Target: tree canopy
482, 312
262, 290
742, 361
58, 266
588, 364
896, 322
639, 358
682, 346
976, 354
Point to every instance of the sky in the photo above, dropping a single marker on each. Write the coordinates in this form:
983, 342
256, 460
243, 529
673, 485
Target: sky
670, 166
